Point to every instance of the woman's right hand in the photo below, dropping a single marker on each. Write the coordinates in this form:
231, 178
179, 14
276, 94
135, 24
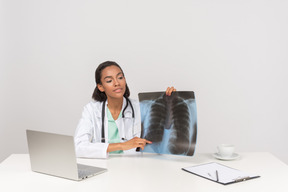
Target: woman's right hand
134, 143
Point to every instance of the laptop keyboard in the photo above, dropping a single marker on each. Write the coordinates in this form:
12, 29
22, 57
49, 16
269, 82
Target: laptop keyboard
85, 171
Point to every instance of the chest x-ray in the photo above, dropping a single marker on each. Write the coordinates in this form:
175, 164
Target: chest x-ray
170, 122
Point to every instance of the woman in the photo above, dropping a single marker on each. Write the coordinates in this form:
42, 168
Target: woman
110, 123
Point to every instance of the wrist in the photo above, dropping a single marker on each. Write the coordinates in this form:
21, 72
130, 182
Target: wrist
115, 147
120, 146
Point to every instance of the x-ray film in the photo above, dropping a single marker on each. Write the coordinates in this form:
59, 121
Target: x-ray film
170, 122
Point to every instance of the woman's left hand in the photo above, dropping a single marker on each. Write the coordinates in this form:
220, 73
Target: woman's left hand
169, 90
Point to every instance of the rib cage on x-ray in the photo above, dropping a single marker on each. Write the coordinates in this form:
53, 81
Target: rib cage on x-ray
170, 113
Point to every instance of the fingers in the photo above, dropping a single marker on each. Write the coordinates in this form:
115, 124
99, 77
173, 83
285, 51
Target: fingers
169, 91
142, 143
136, 142
149, 142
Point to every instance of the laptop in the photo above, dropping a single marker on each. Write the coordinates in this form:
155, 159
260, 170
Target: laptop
54, 154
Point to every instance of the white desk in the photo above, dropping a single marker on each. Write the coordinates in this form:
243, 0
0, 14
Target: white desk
147, 173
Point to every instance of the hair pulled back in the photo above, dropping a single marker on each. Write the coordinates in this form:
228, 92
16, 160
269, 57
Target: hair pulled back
97, 94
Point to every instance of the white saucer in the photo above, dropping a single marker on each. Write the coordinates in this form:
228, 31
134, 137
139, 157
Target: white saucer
234, 156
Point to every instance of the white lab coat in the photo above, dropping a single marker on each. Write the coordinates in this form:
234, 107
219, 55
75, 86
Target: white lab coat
88, 133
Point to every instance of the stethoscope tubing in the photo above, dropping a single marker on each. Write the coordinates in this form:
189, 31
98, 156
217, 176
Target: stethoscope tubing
103, 116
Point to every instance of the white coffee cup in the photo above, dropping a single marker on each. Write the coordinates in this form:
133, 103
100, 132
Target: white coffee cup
226, 150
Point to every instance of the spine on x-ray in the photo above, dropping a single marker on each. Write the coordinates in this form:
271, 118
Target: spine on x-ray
167, 112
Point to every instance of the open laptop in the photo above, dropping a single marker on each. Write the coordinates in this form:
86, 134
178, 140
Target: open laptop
54, 154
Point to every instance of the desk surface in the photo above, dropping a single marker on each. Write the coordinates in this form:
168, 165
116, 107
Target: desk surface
147, 172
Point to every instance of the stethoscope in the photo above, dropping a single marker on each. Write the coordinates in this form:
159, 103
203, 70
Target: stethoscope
123, 116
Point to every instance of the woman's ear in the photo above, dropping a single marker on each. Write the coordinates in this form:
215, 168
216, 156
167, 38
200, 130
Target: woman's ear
100, 87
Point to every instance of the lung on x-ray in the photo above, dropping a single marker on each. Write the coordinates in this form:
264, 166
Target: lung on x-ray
170, 122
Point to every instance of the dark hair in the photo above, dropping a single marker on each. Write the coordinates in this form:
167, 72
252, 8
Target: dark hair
97, 94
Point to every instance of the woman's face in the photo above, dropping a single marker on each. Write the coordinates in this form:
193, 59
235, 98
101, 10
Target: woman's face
113, 82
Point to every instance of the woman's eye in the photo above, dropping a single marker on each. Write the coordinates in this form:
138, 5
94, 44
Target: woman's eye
109, 81
121, 77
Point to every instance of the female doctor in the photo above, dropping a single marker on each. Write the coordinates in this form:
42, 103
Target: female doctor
110, 123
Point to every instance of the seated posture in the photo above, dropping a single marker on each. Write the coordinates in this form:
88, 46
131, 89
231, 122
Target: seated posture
111, 123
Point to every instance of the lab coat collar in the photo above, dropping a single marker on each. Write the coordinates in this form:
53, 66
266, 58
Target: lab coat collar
127, 113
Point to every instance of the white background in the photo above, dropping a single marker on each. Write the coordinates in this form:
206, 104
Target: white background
232, 54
